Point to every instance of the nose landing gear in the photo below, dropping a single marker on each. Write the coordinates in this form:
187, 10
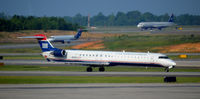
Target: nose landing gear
168, 79
167, 68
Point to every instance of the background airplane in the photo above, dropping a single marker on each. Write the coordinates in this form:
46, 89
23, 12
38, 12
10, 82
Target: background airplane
101, 58
158, 25
65, 38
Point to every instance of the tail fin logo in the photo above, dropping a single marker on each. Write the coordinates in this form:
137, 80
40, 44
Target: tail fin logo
44, 45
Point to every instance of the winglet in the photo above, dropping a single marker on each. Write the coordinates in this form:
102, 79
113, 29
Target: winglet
41, 35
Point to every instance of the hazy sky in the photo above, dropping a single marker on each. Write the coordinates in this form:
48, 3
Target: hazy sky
93, 7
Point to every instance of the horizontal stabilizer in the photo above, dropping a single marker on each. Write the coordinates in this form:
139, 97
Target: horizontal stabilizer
36, 37
45, 45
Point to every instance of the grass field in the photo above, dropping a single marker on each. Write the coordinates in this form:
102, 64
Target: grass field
85, 79
83, 69
21, 50
147, 43
130, 41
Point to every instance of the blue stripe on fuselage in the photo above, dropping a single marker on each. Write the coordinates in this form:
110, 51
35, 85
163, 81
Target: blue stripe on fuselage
113, 63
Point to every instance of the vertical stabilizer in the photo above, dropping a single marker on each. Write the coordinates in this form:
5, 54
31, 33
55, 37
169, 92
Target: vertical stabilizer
171, 19
77, 36
45, 45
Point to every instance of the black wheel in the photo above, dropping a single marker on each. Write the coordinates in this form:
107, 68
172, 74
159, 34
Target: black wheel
166, 69
101, 69
89, 69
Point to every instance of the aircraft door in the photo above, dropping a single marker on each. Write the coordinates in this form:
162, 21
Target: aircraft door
153, 60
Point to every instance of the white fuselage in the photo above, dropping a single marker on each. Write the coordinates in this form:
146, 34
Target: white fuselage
111, 58
146, 25
61, 38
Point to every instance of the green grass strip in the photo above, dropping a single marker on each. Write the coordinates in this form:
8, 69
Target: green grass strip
21, 50
83, 68
85, 79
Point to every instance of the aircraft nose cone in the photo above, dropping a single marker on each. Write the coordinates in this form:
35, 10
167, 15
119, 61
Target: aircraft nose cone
173, 63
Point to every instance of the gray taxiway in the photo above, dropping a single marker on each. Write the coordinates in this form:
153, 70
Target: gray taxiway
99, 91
121, 74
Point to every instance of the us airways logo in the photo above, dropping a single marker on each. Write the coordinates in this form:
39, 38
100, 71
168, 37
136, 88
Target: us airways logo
44, 45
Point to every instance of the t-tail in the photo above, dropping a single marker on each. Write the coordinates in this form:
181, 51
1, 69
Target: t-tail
171, 19
44, 43
78, 35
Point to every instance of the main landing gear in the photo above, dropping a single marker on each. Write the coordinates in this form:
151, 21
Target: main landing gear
101, 69
89, 69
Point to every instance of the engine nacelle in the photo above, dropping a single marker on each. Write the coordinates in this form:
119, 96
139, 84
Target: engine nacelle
60, 53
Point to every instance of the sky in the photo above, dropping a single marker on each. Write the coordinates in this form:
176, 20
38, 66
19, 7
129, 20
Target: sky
93, 7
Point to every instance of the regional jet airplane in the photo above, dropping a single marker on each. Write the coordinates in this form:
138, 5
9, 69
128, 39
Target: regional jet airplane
101, 58
65, 38
158, 25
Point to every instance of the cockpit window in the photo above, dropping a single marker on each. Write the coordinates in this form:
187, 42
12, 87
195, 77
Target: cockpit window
163, 57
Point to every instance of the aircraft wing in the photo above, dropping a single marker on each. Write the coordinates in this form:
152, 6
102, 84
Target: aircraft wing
89, 63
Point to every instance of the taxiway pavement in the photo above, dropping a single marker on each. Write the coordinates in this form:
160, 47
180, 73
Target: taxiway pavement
99, 91
117, 74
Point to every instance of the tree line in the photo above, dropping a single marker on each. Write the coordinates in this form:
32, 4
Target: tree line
17, 22
131, 18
